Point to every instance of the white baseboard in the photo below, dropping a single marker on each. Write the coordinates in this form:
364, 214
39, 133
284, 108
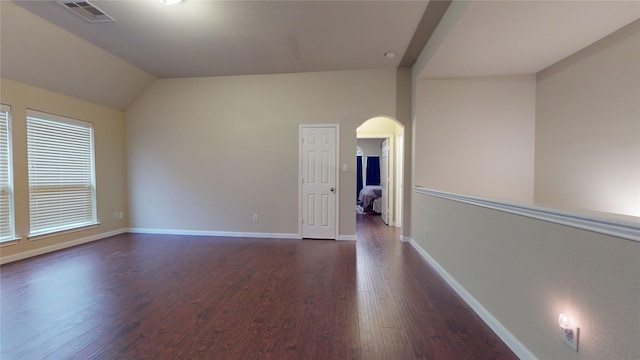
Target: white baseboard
509, 339
347, 237
406, 239
56, 247
214, 233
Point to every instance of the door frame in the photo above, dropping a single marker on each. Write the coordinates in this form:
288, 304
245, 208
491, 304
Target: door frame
399, 175
390, 139
300, 165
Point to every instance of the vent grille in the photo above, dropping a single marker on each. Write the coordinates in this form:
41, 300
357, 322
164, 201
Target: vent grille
87, 11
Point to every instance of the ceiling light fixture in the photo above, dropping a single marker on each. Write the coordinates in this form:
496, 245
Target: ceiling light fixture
170, 2
390, 54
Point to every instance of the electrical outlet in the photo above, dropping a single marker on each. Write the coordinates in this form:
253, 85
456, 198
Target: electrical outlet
120, 215
115, 216
570, 337
255, 217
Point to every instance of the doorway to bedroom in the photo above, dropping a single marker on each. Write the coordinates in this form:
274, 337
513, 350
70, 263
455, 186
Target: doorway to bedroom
379, 173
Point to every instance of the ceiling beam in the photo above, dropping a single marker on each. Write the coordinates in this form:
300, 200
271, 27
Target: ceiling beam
430, 19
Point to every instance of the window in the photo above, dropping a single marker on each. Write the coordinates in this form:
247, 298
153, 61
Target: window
6, 178
61, 173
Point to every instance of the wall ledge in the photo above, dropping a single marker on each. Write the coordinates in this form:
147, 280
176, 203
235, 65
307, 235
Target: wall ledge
618, 228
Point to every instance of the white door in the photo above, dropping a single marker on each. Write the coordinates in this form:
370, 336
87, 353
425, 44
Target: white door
319, 182
384, 180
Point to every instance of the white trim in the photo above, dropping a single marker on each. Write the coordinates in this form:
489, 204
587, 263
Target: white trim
618, 228
405, 239
10, 242
300, 212
300, 136
337, 126
347, 237
41, 115
391, 138
50, 234
503, 333
398, 159
374, 136
56, 247
11, 181
213, 233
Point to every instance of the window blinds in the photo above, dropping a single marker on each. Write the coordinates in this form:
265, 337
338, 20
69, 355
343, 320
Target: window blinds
6, 191
61, 173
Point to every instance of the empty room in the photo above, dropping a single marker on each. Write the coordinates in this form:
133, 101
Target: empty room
319, 179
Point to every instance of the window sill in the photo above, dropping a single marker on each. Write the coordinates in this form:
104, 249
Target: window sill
63, 232
9, 242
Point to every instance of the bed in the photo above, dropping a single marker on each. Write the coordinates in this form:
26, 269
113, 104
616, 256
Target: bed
367, 196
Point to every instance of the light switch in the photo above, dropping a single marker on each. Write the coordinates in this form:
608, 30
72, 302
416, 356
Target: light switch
344, 167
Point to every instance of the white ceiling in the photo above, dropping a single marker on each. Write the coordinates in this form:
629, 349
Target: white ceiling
524, 37
113, 63
210, 38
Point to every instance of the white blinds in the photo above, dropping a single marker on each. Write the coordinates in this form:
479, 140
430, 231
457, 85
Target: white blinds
6, 193
61, 173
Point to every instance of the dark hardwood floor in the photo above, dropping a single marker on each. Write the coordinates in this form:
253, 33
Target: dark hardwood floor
178, 297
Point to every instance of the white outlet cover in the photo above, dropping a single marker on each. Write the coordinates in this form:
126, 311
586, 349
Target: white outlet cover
570, 337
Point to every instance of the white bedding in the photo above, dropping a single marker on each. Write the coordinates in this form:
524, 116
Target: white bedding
368, 194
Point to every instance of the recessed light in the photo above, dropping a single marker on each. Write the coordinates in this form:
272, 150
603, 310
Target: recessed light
390, 54
170, 2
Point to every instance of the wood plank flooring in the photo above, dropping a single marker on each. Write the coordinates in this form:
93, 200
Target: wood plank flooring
178, 297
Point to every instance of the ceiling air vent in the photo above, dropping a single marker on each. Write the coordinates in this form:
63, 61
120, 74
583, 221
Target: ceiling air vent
87, 11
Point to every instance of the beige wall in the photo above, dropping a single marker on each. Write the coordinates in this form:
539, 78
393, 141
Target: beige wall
588, 127
207, 153
585, 114
404, 108
525, 272
378, 127
109, 156
370, 147
475, 136
68, 64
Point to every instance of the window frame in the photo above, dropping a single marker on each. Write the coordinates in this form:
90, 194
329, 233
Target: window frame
40, 118
11, 237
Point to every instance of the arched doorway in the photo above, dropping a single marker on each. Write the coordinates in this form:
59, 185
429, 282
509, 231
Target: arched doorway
389, 134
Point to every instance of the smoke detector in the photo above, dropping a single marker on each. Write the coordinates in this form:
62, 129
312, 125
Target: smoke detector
87, 11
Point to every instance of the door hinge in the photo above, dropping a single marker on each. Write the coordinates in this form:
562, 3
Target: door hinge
303, 221
303, 180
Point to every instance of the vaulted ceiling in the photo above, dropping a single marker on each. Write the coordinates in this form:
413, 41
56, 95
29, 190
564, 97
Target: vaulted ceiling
482, 38
44, 44
211, 38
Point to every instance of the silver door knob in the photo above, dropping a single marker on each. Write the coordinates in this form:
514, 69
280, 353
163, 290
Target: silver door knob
332, 189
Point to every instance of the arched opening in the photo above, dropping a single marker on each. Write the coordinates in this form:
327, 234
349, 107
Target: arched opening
382, 138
